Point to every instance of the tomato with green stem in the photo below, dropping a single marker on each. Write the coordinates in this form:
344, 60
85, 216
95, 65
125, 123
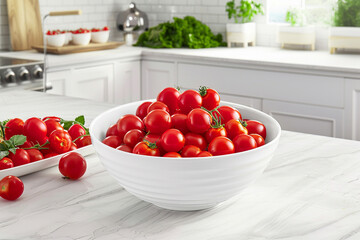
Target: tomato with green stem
210, 97
11, 188
76, 131
226, 113
60, 141
146, 148
235, 127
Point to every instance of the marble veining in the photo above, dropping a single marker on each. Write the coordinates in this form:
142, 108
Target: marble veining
310, 190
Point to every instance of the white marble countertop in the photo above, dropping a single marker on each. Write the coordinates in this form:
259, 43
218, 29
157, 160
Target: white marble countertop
310, 190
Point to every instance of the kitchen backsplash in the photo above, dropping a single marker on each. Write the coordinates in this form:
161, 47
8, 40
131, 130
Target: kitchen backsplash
98, 13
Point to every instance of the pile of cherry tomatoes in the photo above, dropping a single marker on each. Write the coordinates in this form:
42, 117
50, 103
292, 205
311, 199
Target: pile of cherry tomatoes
188, 124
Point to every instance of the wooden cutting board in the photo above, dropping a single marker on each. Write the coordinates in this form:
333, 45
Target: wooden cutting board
24, 23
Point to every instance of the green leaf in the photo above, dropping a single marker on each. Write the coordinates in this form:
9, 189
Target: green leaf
80, 119
67, 125
3, 154
17, 140
13, 150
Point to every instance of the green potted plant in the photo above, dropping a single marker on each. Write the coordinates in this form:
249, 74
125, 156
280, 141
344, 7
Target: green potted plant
345, 32
296, 32
243, 30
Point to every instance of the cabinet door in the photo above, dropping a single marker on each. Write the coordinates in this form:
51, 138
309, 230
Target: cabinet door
155, 77
307, 118
58, 81
94, 83
250, 102
352, 109
127, 82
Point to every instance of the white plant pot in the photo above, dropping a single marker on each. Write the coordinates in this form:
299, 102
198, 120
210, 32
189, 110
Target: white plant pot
296, 35
244, 33
344, 37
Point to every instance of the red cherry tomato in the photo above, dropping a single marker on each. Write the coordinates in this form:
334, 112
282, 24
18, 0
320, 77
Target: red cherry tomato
51, 117
35, 154
72, 165
125, 148
144, 148
153, 138
157, 121
259, 139
20, 157
133, 136
52, 125
141, 111
235, 127
128, 122
112, 141
6, 163
169, 96
221, 146
190, 151
11, 188
76, 131
157, 105
196, 140
60, 141
210, 98
112, 131
198, 120
244, 142
73, 146
215, 132
227, 113
172, 155
50, 154
83, 141
178, 121
172, 140
256, 127
13, 127
204, 154
189, 100
35, 130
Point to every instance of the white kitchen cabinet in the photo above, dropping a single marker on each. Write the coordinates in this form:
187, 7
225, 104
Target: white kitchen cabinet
58, 81
250, 102
352, 109
127, 82
155, 77
304, 118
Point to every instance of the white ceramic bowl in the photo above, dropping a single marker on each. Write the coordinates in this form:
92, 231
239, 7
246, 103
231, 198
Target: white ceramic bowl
184, 183
57, 40
100, 37
81, 38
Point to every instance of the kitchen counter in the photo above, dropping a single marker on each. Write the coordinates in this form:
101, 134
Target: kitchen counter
310, 190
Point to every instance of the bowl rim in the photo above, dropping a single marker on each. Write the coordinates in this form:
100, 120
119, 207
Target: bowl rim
267, 145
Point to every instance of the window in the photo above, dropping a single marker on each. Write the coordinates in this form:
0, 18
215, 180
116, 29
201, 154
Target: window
316, 12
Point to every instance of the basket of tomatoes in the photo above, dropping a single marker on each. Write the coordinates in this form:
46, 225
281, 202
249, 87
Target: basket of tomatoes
185, 151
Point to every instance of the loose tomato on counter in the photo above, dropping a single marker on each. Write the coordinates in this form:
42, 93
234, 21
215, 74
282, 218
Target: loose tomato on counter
11, 188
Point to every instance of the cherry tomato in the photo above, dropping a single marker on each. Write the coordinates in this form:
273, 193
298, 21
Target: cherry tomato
112, 131
35, 154
76, 131
227, 113
210, 98
133, 136
221, 146
169, 96
178, 121
83, 141
198, 120
172, 140
196, 140
259, 139
72, 165
6, 163
214, 132
189, 100
35, 130
11, 188
144, 148
20, 157
60, 141
50, 154
190, 151
13, 127
112, 141
125, 148
157, 121
172, 155
256, 127
141, 111
128, 122
51, 117
157, 105
244, 142
73, 146
204, 154
52, 125
235, 127
153, 138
